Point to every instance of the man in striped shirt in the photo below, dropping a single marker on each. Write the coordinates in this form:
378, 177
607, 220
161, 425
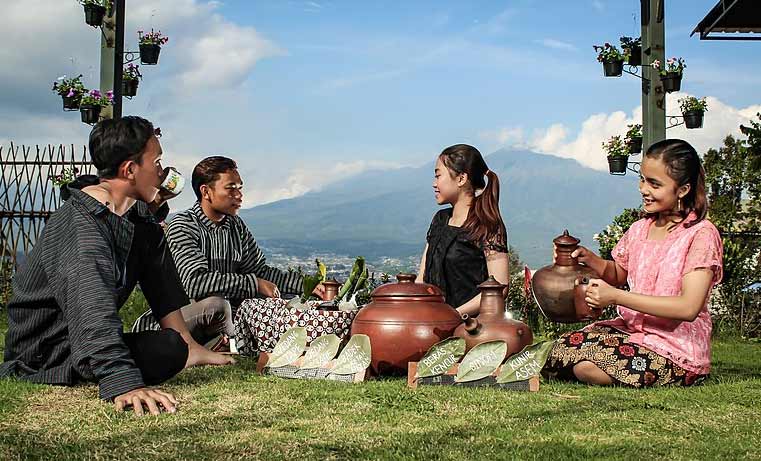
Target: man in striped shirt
216, 255
63, 320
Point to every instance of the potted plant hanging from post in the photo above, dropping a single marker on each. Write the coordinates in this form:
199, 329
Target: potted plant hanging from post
671, 73
693, 110
634, 138
618, 155
71, 91
150, 46
92, 103
611, 58
130, 80
95, 11
632, 48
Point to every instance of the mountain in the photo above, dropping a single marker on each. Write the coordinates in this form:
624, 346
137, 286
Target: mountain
387, 213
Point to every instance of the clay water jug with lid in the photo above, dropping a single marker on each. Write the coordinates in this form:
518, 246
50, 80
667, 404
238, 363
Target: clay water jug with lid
559, 289
403, 321
492, 323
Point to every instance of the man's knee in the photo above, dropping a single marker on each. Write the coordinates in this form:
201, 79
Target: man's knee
216, 307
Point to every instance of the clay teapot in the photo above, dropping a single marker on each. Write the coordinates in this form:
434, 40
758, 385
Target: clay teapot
492, 324
560, 289
331, 289
403, 321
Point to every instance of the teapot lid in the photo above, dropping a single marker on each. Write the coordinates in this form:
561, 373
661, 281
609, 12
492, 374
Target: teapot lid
331, 282
491, 282
407, 287
566, 239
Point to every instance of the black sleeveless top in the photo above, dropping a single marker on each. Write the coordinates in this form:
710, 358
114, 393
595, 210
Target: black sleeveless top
454, 263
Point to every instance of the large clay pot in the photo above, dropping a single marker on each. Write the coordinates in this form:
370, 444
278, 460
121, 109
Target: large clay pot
492, 324
403, 321
560, 287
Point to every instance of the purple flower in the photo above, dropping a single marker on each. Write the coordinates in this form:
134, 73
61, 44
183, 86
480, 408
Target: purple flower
71, 93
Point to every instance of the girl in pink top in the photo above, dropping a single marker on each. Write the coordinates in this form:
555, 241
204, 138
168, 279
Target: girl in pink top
671, 260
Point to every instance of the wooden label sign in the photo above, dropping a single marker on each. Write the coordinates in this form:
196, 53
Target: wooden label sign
481, 366
290, 347
440, 357
525, 364
481, 361
321, 351
287, 361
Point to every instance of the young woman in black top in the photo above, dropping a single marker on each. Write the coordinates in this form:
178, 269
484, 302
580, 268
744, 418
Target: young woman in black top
468, 241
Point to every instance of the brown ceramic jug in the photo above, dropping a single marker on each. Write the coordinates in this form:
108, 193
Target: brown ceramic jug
584, 312
492, 324
559, 289
331, 289
403, 321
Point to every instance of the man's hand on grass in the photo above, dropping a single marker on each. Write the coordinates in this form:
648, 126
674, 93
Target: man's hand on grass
149, 397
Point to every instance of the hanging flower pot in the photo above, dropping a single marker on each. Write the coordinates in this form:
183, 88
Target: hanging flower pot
693, 110
618, 155
70, 90
149, 54
613, 68
633, 49
90, 114
633, 139
635, 145
71, 102
129, 87
672, 81
94, 14
693, 119
635, 56
617, 165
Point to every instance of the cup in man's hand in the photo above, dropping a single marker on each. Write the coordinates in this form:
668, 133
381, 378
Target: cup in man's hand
173, 182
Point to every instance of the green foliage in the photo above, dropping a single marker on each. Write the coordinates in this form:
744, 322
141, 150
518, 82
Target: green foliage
6, 276
609, 237
69, 87
616, 147
609, 53
734, 194
693, 104
673, 66
627, 43
66, 176
131, 72
310, 282
634, 131
133, 308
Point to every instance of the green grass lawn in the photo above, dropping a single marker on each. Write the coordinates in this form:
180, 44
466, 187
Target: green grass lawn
233, 413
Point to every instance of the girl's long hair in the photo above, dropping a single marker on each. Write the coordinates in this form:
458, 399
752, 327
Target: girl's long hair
484, 222
683, 166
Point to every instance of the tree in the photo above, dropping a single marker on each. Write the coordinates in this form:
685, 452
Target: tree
733, 183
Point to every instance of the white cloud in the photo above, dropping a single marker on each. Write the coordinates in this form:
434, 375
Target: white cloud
720, 120
223, 56
557, 44
303, 180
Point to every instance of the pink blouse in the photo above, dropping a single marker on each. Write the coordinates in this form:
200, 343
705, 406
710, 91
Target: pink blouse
656, 268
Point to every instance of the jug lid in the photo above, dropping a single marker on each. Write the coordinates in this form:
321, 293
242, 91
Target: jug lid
406, 286
566, 239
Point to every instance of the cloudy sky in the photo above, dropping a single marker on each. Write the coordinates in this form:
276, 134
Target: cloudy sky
302, 93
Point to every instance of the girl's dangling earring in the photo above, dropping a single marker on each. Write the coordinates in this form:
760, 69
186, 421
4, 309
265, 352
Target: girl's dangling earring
679, 204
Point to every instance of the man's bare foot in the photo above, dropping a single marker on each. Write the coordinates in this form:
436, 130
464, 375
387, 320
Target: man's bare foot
199, 355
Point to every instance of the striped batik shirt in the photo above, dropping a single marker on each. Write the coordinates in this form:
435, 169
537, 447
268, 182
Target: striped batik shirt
222, 259
63, 319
